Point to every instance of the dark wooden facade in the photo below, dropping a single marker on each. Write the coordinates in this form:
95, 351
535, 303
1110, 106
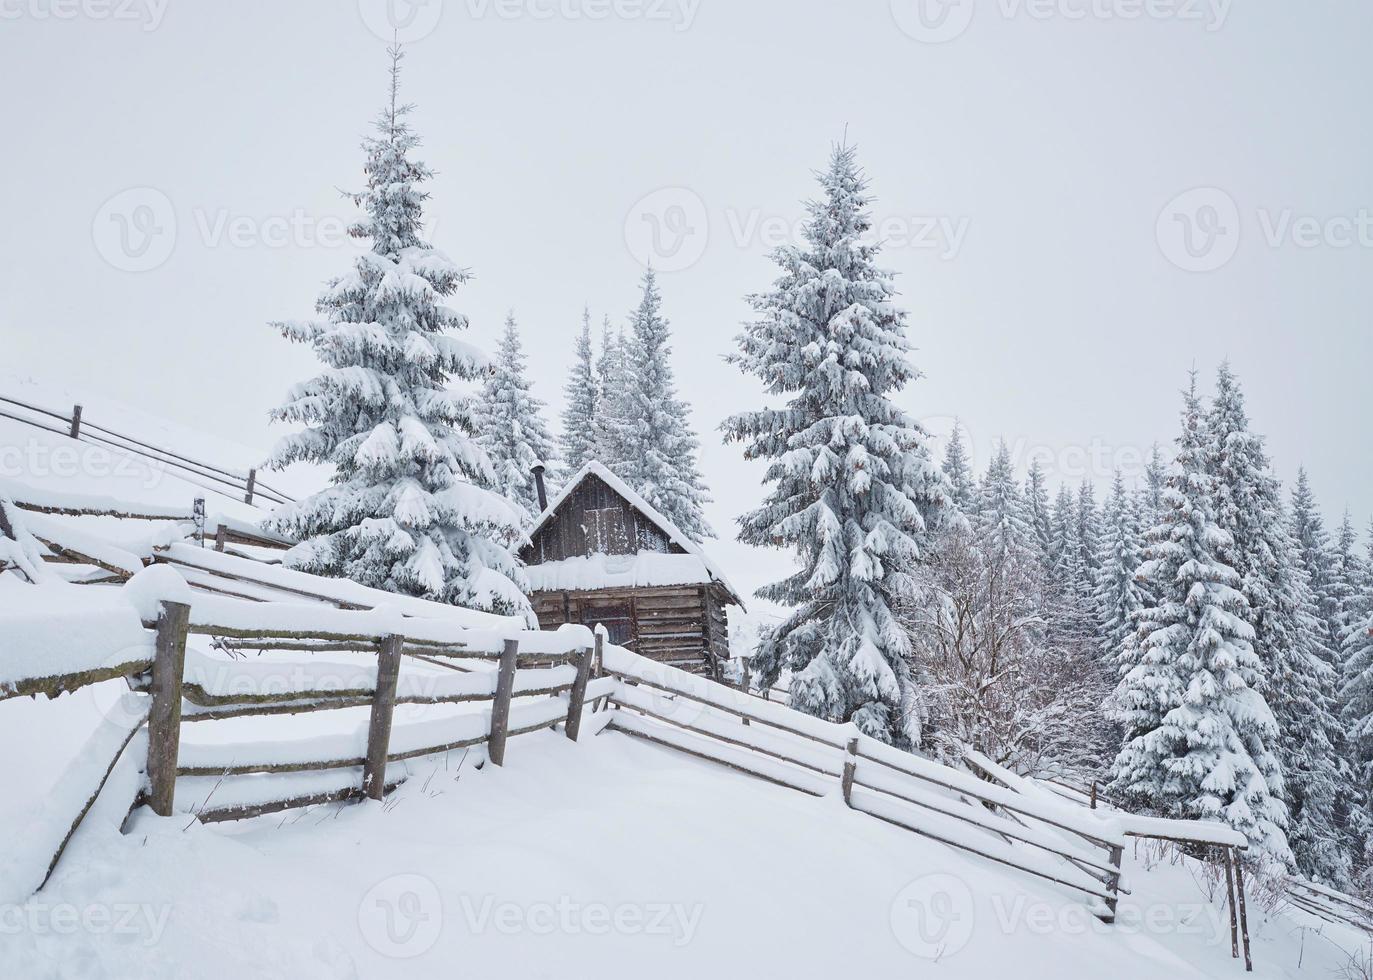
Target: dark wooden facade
684, 625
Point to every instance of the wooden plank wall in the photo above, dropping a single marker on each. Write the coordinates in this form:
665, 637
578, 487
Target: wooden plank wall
672, 624
570, 533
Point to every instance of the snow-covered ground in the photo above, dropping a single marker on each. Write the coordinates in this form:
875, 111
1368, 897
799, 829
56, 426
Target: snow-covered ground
607, 858
54, 464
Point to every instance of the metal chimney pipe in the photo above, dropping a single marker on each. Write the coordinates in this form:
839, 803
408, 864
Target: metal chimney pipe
537, 470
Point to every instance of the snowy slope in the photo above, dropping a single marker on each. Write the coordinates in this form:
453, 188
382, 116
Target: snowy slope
54, 463
612, 858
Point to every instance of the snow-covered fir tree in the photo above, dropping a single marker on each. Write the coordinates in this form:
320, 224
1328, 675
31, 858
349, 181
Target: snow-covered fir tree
958, 469
999, 517
511, 422
1151, 493
1069, 593
1118, 596
1039, 513
1088, 533
1346, 574
612, 393
659, 448
410, 508
578, 437
1298, 682
855, 491
1357, 707
1199, 736
1308, 528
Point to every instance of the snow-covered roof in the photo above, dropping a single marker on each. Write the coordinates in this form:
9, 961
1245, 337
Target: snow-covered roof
652, 567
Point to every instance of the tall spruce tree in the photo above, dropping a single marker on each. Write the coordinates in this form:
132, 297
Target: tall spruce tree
1069, 602
579, 419
1088, 533
958, 469
612, 394
1039, 513
1000, 517
1151, 493
855, 491
1357, 707
411, 508
1118, 596
658, 444
1298, 683
1198, 735
1308, 528
510, 420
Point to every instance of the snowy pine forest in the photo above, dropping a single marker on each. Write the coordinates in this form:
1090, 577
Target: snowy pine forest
1199, 642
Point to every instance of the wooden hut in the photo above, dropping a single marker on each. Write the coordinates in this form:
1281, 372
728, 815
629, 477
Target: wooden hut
600, 554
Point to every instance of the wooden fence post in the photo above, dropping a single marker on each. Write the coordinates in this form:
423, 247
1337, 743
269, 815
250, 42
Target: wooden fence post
76, 422
850, 770
1113, 880
252, 482
1227, 853
599, 669
1093, 794
577, 698
744, 680
1244, 911
383, 707
219, 538
500, 708
164, 717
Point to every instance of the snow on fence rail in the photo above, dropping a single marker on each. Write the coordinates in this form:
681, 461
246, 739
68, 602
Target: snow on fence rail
216, 479
539, 681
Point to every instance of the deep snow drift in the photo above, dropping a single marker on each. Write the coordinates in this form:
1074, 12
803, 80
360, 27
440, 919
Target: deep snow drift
607, 858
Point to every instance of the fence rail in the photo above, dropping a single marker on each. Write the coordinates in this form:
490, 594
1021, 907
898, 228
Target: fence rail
235, 484
987, 812
526, 693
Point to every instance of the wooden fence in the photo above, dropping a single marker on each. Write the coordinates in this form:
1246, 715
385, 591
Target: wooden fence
987, 812
711, 721
526, 693
235, 484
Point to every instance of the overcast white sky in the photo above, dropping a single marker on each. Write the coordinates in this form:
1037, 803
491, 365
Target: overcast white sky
1027, 157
